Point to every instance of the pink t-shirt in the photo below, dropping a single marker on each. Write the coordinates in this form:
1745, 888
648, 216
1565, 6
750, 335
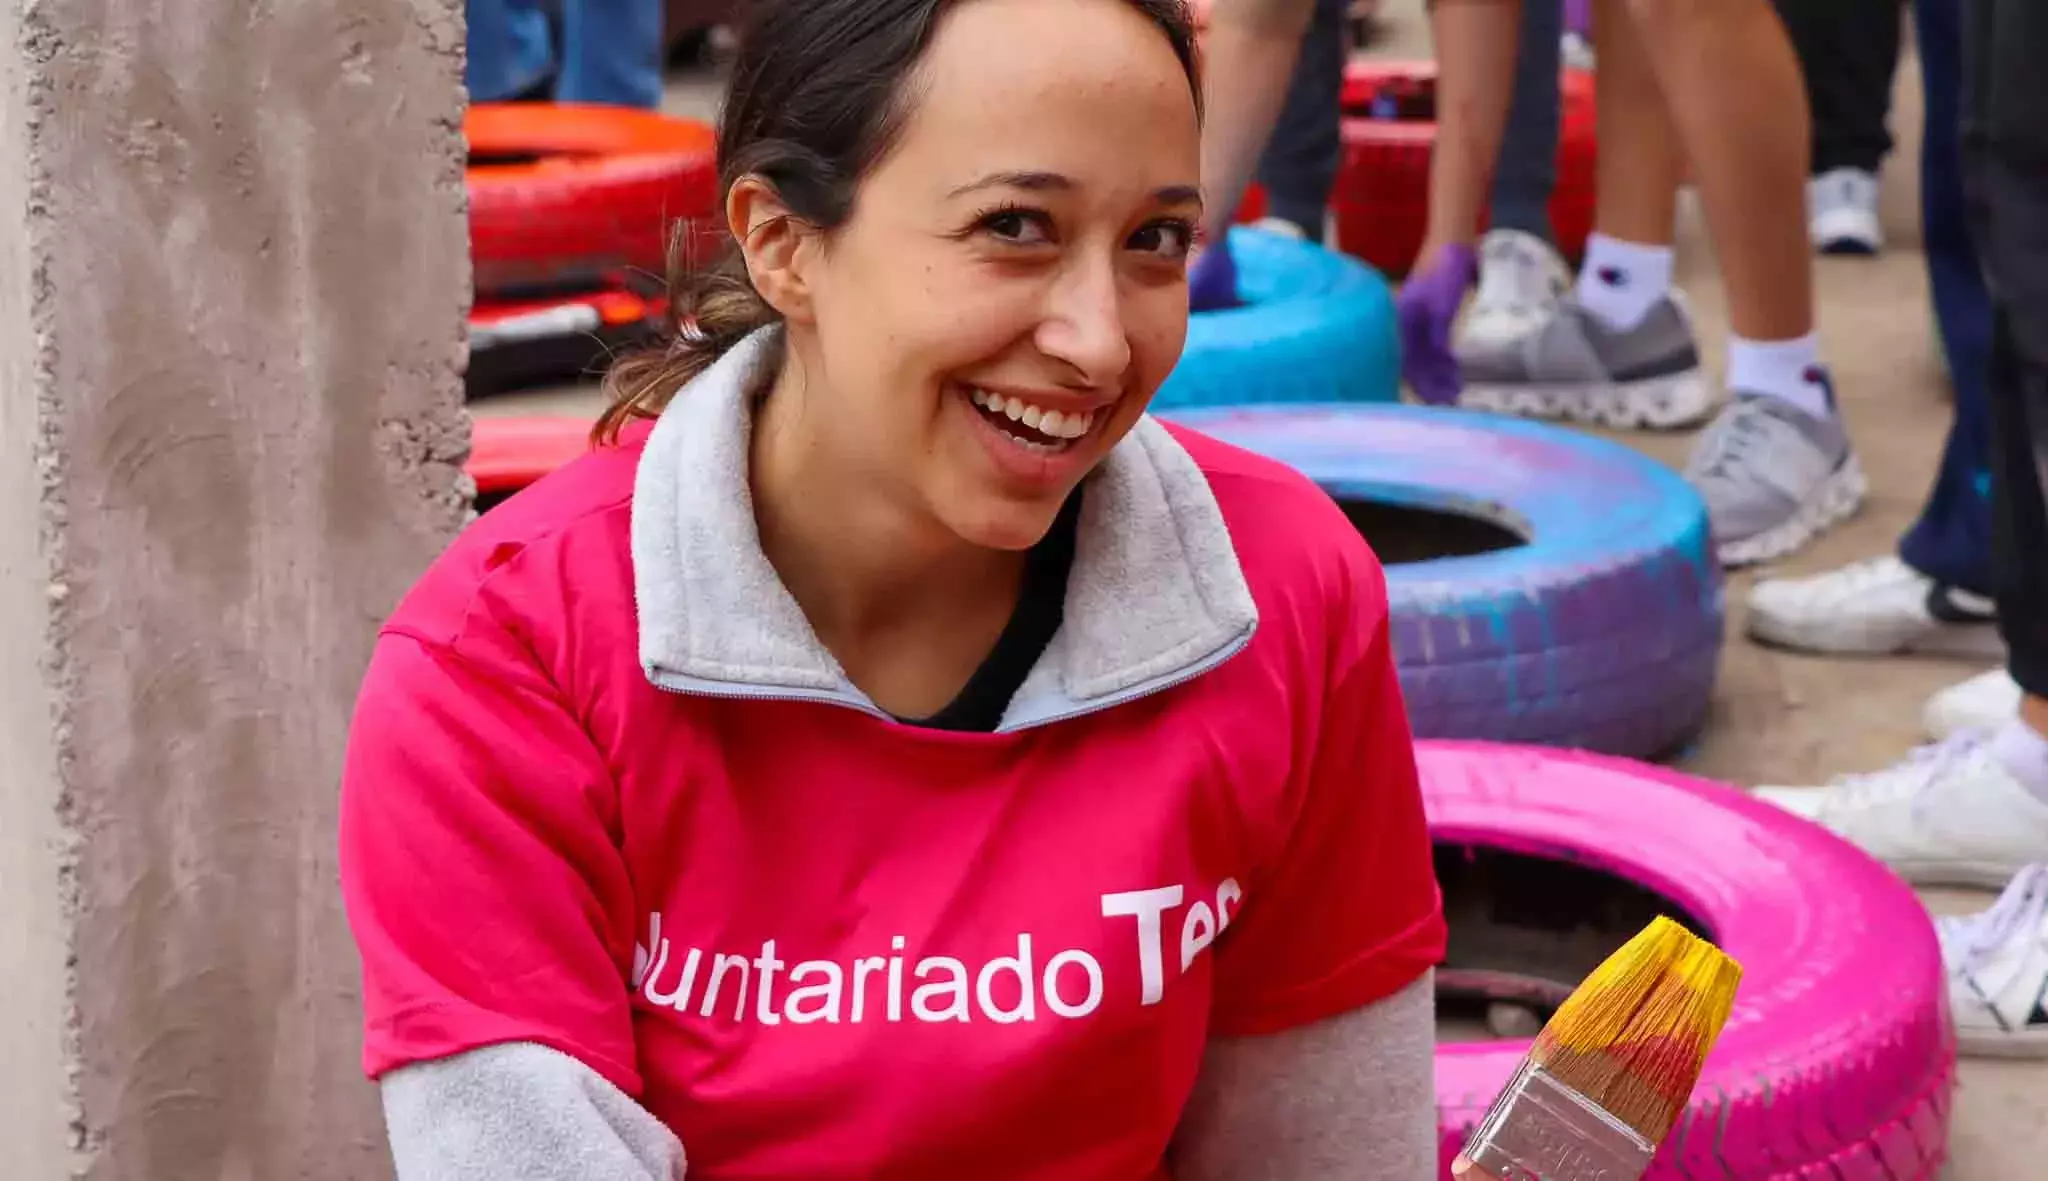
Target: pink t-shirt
816, 943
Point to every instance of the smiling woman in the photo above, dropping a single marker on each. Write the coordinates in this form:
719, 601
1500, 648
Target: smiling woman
1052, 758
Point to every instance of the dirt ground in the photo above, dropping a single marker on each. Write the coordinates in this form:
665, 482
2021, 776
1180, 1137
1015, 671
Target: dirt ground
1781, 718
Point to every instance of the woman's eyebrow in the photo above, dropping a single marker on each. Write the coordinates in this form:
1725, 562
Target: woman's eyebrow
1048, 181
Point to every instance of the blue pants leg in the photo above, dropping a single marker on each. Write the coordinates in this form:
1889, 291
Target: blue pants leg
1525, 173
511, 49
1951, 542
611, 52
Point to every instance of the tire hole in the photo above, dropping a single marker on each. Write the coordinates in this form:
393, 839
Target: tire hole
1525, 931
1403, 533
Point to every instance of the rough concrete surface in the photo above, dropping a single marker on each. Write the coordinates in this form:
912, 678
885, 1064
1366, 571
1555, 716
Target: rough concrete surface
233, 272
1778, 717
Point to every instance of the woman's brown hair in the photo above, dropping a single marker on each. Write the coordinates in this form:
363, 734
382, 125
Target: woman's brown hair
815, 98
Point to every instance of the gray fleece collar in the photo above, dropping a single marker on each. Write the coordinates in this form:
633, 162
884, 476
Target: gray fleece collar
1156, 596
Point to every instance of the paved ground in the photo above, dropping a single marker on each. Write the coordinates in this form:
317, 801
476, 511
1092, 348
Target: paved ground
1780, 718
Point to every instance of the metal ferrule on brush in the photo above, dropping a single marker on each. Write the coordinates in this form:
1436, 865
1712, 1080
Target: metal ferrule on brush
1540, 1128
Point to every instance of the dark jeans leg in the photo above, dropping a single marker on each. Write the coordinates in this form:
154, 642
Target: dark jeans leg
2005, 146
1300, 161
1848, 50
1951, 542
1526, 170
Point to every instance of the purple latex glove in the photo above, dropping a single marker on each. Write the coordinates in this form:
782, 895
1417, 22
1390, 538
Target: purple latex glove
1427, 304
1212, 280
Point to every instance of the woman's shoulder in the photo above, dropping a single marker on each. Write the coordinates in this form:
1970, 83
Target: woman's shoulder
563, 540
1290, 535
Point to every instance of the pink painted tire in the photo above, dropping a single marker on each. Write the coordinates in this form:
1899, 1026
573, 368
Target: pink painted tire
1839, 1060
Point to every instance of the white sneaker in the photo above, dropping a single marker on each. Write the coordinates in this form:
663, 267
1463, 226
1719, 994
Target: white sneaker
1521, 278
1280, 226
1997, 963
1841, 212
1984, 702
1874, 607
1576, 52
1949, 815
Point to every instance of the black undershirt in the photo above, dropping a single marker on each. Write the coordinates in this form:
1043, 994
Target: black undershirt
1041, 605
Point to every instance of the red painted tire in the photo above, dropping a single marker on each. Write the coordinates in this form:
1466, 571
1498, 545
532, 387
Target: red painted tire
561, 192
1839, 1059
1381, 198
507, 454
515, 344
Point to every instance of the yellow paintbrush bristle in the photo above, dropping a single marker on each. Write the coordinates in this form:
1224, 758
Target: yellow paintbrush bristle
1633, 1037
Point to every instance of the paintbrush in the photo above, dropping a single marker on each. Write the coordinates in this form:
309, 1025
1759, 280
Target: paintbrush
1613, 1069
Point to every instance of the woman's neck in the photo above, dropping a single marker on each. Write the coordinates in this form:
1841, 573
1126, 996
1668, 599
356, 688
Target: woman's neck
869, 569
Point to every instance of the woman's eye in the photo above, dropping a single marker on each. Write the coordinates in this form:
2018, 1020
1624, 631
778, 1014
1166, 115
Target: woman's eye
1020, 226
1167, 239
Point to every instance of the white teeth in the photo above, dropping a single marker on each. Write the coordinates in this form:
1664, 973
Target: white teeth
1056, 423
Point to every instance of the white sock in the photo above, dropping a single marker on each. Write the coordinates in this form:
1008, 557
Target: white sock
1621, 281
2023, 752
1787, 369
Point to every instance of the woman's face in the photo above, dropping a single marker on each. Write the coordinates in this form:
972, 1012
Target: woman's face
1011, 287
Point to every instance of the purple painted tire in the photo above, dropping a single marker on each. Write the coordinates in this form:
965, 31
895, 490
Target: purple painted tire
1601, 632
1839, 1059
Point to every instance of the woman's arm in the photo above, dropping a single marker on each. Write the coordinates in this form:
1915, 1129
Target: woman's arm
1351, 1098
494, 914
521, 1112
1247, 65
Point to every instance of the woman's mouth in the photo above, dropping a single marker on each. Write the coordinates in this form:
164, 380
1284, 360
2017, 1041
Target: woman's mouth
1032, 427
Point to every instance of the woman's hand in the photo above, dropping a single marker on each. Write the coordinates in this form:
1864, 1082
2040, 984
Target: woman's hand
1426, 306
1212, 278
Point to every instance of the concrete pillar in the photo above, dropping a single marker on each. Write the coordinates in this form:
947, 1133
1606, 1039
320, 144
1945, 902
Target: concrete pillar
233, 267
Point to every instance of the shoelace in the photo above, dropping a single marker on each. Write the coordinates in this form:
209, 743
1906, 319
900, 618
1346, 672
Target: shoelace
1861, 575
1731, 445
1909, 779
1975, 938
1514, 278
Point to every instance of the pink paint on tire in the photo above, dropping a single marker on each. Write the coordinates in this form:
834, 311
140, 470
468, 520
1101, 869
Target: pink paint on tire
1839, 1059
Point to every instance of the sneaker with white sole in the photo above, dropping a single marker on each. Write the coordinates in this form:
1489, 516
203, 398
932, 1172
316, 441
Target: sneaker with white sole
1876, 607
1997, 965
1984, 702
1521, 278
1774, 477
1841, 212
1949, 814
1575, 367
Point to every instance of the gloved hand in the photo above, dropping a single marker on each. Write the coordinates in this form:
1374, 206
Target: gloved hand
1426, 305
1212, 279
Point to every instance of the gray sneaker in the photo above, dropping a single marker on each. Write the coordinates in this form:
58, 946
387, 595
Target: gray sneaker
1774, 477
1572, 366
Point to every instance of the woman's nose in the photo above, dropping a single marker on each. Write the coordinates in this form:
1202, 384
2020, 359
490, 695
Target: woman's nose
1084, 325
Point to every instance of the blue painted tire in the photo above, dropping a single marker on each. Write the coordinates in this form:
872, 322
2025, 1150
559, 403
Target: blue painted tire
1601, 632
1316, 326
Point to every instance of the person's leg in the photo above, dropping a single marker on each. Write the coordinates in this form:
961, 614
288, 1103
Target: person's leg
1933, 597
1950, 543
1521, 274
1973, 811
511, 50
1526, 170
611, 53
1618, 350
1848, 53
1300, 161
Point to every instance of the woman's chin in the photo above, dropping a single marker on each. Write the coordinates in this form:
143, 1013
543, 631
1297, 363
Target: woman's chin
1000, 523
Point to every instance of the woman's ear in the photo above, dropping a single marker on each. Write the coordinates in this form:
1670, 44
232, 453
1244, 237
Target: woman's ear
778, 247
